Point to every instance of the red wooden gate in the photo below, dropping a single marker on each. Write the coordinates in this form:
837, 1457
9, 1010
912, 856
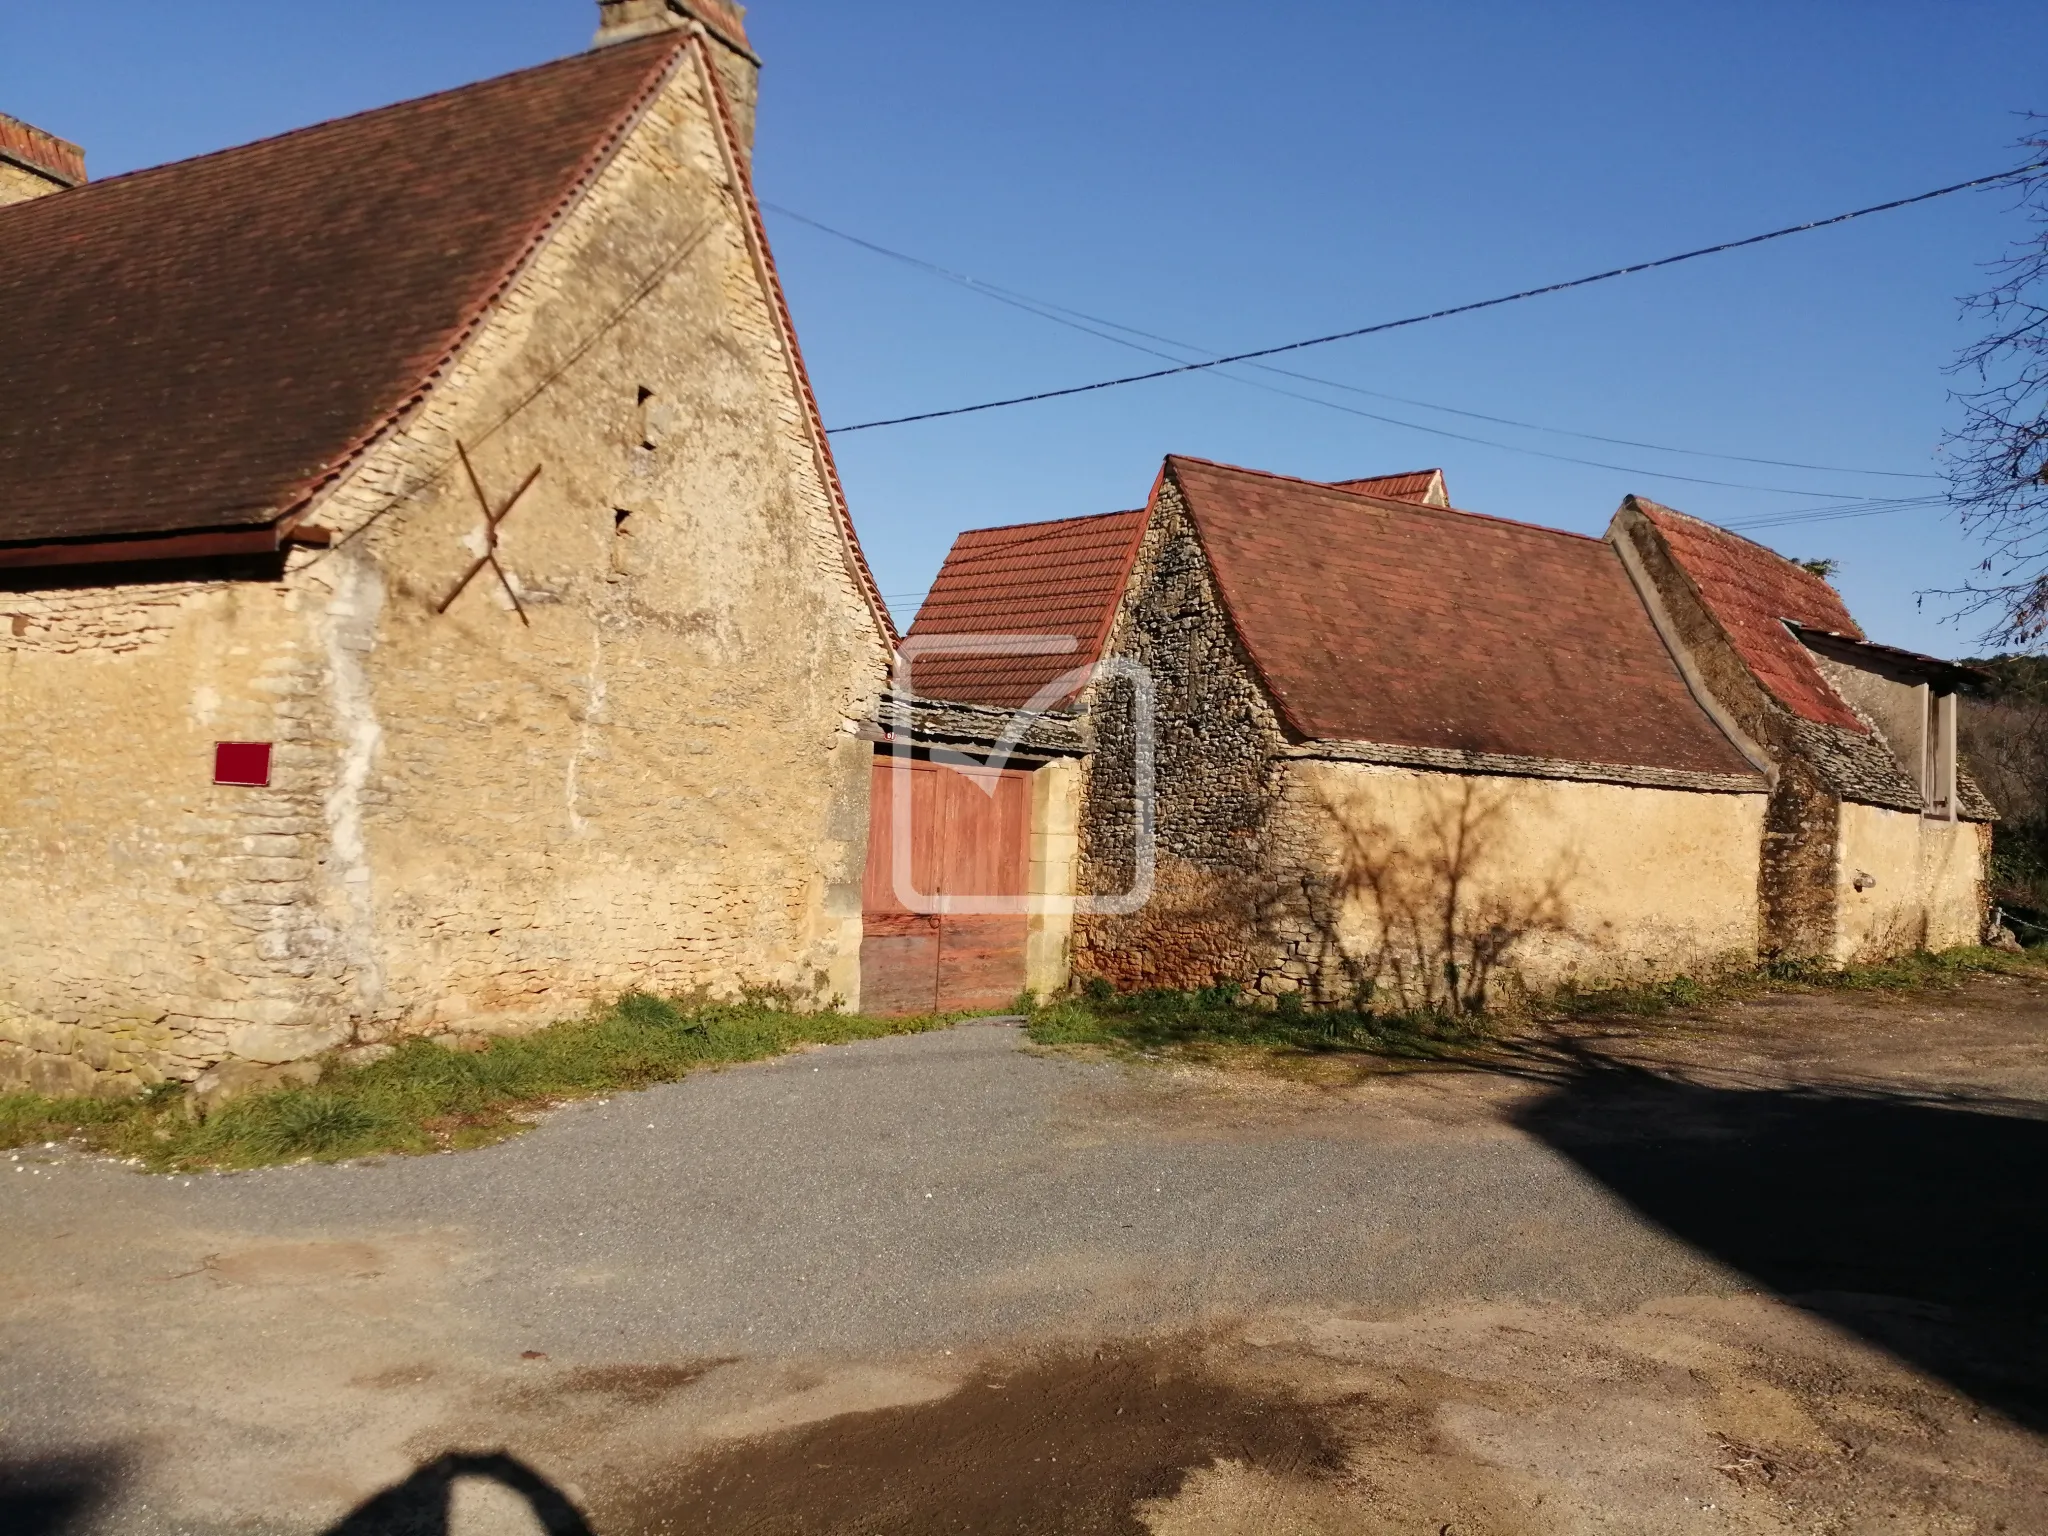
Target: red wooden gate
970, 836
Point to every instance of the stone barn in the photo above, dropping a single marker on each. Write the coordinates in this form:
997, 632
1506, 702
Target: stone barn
1427, 757
1877, 840
427, 601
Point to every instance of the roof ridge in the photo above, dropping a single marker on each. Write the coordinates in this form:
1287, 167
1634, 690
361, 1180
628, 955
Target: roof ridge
739, 166
1787, 561
674, 40
491, 294
1392, 503
1051, 522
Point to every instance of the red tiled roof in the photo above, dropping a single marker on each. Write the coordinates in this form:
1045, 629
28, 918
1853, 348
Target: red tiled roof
1751, 591
1423, 485
1061, 578
1382, 621
203, 344
28, 145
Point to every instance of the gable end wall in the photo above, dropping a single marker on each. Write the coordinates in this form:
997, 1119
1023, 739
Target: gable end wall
1344, 881
472, 825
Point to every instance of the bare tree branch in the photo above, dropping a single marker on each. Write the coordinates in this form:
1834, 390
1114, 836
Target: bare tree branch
1998, 457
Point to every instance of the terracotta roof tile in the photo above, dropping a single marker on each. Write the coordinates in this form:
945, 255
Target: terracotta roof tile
1751, 591
1376, 620
1060, 578
201, 345
26, 144
1423, 485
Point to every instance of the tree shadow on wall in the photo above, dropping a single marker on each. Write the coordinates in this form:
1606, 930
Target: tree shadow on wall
1438, 902
1916, 1223
423, 1504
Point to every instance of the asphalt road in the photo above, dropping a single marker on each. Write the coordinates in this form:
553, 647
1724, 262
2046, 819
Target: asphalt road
260, 1351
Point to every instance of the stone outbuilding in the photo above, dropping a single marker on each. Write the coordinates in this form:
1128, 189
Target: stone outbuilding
427, 601
1877, 841
1422, 756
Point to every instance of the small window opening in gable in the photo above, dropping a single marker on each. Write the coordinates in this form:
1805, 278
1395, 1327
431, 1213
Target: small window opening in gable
625, 525
647, 424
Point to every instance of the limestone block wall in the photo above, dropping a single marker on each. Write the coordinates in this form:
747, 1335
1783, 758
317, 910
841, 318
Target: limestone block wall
475, 822
156, 922
1055, 861
18, 184
1908, 882
1441, 889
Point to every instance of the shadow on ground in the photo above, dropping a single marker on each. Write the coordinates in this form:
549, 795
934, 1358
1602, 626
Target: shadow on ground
50, 1496
423, 1504
1919, 1225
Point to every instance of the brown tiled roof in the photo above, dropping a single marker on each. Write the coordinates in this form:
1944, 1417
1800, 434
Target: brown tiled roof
28, 145
1374, 620
1061, 578
1423, 485
1752, 591
203, 344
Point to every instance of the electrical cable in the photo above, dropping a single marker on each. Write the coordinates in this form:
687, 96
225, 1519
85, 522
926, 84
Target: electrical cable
1087, 324
1442, 314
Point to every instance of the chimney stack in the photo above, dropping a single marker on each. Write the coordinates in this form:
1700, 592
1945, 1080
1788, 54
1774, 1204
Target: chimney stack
723, 21
34, 163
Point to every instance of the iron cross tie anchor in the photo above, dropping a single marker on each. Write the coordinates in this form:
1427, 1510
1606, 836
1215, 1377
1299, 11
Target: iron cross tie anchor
491, 521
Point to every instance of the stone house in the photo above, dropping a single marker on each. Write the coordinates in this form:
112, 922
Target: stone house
1426, 756
427, 601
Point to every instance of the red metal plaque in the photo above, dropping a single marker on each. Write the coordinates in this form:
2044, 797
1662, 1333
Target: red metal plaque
246, 763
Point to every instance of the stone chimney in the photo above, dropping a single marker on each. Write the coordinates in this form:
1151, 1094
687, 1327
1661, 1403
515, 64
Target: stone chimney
723, 21
34, 163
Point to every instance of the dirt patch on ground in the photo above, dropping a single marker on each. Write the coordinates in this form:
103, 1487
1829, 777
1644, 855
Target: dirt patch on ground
1736, 1414
1068, 1443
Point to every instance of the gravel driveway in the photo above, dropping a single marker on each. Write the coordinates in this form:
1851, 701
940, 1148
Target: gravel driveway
645, 1288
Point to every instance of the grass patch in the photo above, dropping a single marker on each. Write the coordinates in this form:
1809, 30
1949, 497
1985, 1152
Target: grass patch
1223, 1025
427, 1098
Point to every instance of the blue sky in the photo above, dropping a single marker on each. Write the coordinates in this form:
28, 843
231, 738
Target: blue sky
1233, 176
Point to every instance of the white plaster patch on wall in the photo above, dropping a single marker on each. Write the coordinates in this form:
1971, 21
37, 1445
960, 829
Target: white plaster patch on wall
348, 631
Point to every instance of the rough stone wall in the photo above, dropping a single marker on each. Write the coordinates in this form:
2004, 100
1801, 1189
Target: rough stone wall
1450, 890
1217, 906
18, 184
1288, 874
153, 918
1907, 882
473, 824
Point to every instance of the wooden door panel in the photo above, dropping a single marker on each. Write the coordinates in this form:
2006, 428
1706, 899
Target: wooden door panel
987, 833
926, 799
970, 837
899, 966
981, 963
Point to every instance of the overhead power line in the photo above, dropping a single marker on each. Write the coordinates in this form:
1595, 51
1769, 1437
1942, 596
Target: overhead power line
1443, 314
1094, 325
